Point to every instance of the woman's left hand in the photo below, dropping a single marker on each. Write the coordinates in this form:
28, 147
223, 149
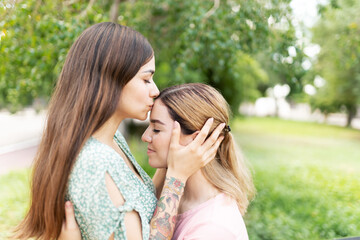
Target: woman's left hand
183, 161
70, 230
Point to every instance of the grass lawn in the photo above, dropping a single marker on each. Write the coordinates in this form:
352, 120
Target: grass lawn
307, 178
14, 199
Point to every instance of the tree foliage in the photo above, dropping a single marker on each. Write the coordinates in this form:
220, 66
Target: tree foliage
283, 62
214, 42
338, 34
36, 38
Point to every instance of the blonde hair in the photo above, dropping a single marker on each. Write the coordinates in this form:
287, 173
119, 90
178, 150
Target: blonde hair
191, 105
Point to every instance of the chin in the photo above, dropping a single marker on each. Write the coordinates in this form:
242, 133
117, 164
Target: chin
142, 118
156, 164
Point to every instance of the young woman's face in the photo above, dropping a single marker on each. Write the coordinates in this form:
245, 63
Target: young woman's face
158, 135
136, 98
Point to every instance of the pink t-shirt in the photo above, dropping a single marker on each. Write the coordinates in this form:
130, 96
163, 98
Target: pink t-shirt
217, 218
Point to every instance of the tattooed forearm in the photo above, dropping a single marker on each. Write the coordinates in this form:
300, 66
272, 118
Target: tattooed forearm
164, 219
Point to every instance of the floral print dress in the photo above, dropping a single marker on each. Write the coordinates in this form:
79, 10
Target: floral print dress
97, 216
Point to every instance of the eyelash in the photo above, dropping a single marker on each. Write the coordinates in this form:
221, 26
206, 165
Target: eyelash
146, 81
156, 131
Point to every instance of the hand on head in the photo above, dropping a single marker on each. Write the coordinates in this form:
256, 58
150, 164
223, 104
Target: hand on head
183, 161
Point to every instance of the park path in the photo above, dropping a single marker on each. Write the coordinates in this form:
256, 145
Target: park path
19, 137
17, 159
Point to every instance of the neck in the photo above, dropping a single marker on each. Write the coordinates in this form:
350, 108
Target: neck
107, 131
197, 190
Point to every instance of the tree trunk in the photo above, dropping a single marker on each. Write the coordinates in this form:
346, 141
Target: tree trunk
351, 109
114, 11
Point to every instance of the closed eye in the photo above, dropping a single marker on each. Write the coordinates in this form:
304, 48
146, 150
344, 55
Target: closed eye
156, 130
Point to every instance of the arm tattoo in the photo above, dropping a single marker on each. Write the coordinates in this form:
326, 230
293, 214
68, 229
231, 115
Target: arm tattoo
163, 222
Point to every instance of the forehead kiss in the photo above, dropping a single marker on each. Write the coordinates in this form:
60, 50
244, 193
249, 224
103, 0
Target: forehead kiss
159, 115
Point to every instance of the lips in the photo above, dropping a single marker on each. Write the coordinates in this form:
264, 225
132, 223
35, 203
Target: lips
149, 150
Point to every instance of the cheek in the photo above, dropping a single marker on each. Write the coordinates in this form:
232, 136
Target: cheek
163, 143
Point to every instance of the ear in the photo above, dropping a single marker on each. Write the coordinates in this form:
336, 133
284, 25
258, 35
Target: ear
193, 136
186, 139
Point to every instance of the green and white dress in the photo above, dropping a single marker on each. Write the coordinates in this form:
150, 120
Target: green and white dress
95, 213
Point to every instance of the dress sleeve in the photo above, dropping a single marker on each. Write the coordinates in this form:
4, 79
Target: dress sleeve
95, 213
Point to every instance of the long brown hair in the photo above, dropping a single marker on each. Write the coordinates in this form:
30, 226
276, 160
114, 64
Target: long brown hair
191, 105
104, 58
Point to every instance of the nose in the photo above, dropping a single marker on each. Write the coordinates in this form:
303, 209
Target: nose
154, 92
146, 136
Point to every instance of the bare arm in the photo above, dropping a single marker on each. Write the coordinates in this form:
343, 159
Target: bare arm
71, 231
132, 219
163, 222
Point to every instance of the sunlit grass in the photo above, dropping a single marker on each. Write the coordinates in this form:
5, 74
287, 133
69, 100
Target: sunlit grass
270, 126
307, 178
14, 199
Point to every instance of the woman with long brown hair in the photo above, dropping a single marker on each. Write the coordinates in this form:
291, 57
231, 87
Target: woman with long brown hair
107, 77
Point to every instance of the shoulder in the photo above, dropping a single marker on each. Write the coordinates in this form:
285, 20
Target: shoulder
95, 155
226, 208
214, 230
227, 214
121, 139
221, 220
210, 231
94, 159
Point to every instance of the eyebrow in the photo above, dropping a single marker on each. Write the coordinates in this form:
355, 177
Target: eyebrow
149, 71
156, 121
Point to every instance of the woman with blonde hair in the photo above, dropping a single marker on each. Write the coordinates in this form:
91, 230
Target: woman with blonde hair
107, 77
216, 196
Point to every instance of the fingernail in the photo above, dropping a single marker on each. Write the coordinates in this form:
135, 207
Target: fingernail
211, 119
68, 204
223, 125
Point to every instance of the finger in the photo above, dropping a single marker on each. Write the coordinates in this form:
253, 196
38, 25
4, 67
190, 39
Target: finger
211, 153
70, 221
214, 137
175, 135
204, 132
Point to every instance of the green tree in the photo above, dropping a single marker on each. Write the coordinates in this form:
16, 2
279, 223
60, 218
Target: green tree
195, 41
35, 38
215, 42
338, 34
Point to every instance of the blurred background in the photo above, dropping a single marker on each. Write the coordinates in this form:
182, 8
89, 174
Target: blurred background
290, 70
